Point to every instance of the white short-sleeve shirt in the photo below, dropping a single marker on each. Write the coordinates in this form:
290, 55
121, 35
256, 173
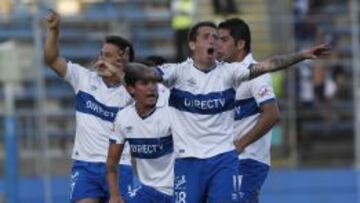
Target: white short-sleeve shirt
151, 144
202, 106
249, 97
96, 108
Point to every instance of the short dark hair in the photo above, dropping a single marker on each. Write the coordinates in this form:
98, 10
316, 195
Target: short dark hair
122, 43
155, 60
135, 72
239, 30
193, 31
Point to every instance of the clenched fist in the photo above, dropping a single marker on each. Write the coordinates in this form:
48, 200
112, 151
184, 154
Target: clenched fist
53, 20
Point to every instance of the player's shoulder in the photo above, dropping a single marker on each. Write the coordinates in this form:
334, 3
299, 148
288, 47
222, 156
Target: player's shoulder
249, 61
127, 109
162, 102
77, 67
265, 78
232, 69
125, 113
180, 64
122, 92
235, 64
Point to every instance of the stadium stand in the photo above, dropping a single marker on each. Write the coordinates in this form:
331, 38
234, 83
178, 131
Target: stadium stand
326, 125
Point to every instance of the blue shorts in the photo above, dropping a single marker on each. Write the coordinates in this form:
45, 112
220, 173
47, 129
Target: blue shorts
146, 194
88, 180
252, 174
211, 180
127, 181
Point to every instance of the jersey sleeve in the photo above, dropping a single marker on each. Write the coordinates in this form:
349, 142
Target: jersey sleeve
239, 73
74, 74
168, 73
262, 90
117, 136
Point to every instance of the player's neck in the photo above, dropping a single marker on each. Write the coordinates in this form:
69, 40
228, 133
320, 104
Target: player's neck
203, 65
111, 81
144, 110
240, 56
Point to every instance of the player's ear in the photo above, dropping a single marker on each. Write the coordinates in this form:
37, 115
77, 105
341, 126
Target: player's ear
192, 45
127, 53
130, 90
240, 44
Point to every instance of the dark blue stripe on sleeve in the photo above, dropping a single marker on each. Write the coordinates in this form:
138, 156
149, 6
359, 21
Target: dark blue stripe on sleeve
271, 100
112, 141
245, 108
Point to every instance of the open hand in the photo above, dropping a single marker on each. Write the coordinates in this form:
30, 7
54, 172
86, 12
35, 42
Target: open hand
317, 51
106, 69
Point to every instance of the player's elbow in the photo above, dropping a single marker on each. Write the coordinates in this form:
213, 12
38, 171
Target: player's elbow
272, 113
275, 116
276, 119
49, 59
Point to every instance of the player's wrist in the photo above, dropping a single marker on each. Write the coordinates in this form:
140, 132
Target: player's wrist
115, 194
239, 146
303, 55
54, 29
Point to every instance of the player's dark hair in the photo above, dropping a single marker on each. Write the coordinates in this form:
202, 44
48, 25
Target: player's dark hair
155, 60
135, 72
239, 30
122, 44
194, 30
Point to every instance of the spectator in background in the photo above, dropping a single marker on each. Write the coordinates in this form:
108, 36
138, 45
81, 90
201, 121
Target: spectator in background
224, 7
305, 87
182, 19
342, 90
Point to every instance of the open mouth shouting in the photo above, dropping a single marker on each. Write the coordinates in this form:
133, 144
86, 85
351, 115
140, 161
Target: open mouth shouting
211, 51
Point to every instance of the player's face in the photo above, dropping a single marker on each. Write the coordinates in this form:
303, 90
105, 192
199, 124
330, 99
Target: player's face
227, 49
145, 93
205, 46
113, 55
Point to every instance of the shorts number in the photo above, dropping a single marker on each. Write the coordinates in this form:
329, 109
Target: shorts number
180, 197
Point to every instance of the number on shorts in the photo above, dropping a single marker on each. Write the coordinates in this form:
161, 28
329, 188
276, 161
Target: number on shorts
180, 197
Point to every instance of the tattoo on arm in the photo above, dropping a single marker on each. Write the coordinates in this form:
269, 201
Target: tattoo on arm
275, 63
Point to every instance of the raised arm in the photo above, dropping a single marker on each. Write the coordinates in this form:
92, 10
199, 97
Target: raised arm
114, 154
280, 62
51, 50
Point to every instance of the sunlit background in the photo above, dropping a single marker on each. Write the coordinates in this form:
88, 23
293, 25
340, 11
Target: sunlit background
315, 147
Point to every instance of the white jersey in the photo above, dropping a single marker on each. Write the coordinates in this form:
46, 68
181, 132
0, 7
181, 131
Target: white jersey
249, 97
151, 145
96, 108
202, 106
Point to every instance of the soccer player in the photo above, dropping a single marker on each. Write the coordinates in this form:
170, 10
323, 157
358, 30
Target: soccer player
99, 96
202, 95
256, 111
146, 126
